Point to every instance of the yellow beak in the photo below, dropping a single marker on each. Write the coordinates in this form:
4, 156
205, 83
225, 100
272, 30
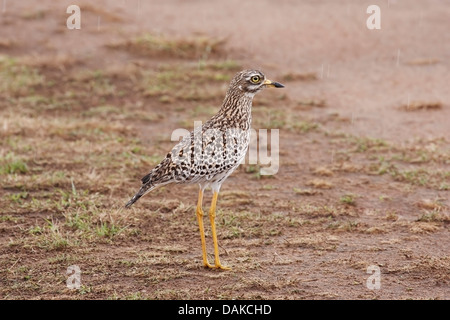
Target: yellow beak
273, 84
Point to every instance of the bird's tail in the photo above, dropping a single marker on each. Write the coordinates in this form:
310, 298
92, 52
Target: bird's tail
146, 187
134, 199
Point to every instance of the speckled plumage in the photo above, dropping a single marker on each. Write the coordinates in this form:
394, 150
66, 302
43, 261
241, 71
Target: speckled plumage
210, 153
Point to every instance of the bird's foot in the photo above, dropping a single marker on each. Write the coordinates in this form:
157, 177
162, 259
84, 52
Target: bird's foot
219, 266
216, 266
206, 264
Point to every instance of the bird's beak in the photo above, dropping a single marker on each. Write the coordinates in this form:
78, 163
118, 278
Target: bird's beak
273, 84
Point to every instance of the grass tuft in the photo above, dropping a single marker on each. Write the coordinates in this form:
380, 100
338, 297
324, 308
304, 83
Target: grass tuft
152, 45
12, 165
17, 79
348, 199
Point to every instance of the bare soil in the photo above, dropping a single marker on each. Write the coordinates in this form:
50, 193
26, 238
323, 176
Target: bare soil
364, 176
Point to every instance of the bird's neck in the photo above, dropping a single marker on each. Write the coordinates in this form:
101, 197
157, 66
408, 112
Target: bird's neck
237, 110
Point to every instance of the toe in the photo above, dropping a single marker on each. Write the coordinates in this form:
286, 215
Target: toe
222, 267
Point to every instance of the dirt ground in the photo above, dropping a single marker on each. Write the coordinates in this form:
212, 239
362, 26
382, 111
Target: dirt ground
364, 148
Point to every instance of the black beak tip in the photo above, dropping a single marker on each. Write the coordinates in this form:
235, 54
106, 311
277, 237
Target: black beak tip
278, 85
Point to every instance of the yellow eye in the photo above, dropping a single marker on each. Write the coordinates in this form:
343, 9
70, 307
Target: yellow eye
255, 79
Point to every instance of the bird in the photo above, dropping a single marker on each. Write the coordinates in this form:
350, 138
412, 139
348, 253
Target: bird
211, 152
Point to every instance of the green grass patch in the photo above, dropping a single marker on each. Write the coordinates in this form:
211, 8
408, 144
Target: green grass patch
10, 164
348, 199
18, 79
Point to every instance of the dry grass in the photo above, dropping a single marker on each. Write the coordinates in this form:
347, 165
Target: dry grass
429, 204
309, 76
18, 79
424, 227
151, 45
320, 184
68, 156
34, 15
101, 12
421, 163
306, 192
185, 82
423, 62
59, 61
311, 103
75, 152
323, 171
422, 105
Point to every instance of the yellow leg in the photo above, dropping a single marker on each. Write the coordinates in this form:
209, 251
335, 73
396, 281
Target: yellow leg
212, 216
202, 230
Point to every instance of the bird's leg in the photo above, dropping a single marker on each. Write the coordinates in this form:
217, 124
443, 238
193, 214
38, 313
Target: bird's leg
199, 213
212, 216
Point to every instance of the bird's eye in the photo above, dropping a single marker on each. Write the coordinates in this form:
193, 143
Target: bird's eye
255, 79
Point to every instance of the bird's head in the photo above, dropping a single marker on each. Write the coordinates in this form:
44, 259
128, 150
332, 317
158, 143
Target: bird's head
251, 81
